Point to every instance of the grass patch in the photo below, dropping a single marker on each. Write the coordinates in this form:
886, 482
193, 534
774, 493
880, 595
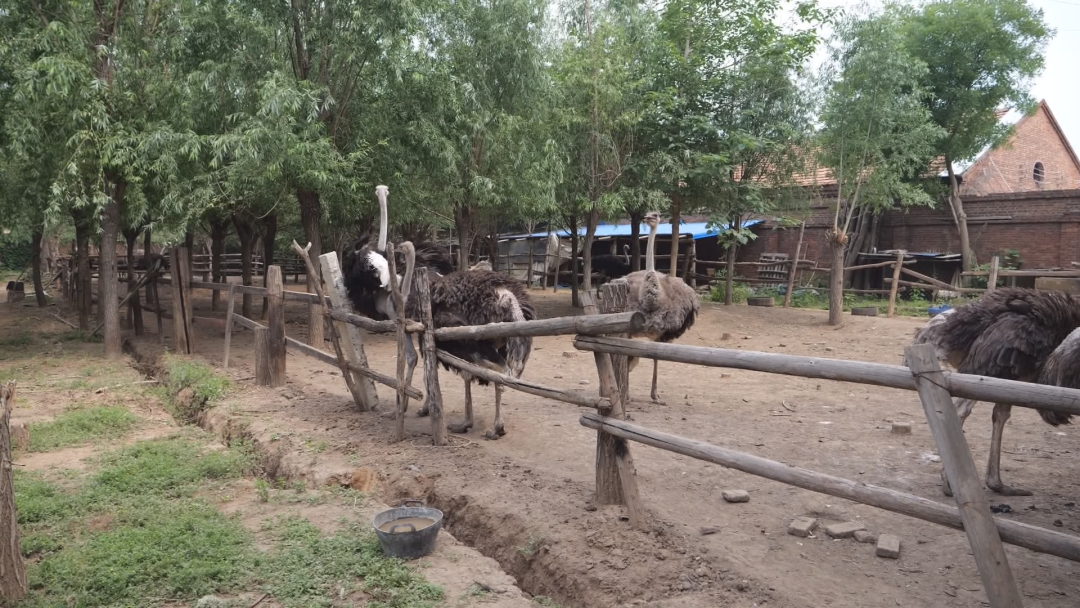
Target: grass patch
74, 335
81, 426
205, 385
20, 339
308, 569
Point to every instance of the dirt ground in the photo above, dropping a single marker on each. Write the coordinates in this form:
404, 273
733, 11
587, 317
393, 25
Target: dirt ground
524, 500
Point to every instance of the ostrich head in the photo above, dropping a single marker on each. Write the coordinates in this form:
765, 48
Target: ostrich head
652, 219
381, 193
409, 251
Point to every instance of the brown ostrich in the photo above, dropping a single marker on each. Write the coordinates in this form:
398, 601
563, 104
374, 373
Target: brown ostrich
670, 305
1015, 334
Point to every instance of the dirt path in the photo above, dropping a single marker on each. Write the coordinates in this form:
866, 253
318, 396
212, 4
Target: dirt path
524, 499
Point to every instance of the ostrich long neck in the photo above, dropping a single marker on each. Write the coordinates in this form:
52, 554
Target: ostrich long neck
650, 250
410, 266
381, 193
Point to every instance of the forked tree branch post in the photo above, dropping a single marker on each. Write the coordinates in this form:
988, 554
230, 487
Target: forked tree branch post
352, 341
13, 585
432, 391
354, 389
399, 310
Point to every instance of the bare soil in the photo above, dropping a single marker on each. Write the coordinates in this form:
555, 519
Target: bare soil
524, 500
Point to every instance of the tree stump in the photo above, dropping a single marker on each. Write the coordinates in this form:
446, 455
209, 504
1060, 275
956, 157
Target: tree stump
13, 586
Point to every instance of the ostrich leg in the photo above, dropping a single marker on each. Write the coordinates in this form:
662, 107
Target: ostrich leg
963, 410
464, 425
497, 429
652, 395
1002, 412
410, 367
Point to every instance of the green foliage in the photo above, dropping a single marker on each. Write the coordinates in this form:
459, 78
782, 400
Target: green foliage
81, 426
308, 569
15, 254
205, 384
1009, 259
739, 291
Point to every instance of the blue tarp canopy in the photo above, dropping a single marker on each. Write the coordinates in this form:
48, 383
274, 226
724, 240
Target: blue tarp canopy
696, 229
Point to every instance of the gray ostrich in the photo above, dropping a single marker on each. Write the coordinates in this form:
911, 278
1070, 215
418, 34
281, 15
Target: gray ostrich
1015, 334
670, 305
474, 297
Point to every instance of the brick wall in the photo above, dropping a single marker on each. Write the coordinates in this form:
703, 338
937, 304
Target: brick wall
1010, 168
1043, 226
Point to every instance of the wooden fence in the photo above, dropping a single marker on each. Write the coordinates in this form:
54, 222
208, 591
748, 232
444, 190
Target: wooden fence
600, 331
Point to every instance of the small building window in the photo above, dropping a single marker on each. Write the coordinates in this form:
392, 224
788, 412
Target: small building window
1039, 174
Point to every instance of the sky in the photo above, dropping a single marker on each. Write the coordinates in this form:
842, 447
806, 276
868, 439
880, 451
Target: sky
1059, 82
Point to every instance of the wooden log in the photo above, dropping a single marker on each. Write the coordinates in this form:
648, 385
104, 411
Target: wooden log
991, 280
262, 356
229, 319
363, 372
247, 323
878, 264
979, 525
275, 322
183, 335
615, 300
433, 404
1013, 532
794, 268
623, 322
401, 336
1024, 273
208, 322
979, 388
525, 386
354, 387
13, 583
618, 485
939, 284
339, 313
529, 274
352, 341
153, 287
898, 265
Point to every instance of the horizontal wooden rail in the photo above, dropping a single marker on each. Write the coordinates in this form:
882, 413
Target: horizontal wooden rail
251, 290
247, 323
875, 265
939, 284
1024, 273
1016, 533
524, 386
325, 357
376, 327
980, 388
618, 323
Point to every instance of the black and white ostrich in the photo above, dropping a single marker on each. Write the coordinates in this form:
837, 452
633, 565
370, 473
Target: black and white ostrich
613, 266
670, 305
1015, 334
475, 297
367, 273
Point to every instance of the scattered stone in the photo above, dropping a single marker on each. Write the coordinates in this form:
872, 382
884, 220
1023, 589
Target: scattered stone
211, 601
736, 495
1002, 508
844, 529
707, 530
743, 585
725, 336
802, 526
590, 507
901, 428
888, 546
865, 537
1058, 523
568, 353
686, 586
829, 349
583, 382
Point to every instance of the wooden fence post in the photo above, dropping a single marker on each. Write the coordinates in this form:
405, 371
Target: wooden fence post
616, 479
897, 267
991, 280
275, 295
352, 341
183, 336
153, 287
229, 308
979, 524
432, 391
794, 266
13, 585
262, 357
399, 317
615, 298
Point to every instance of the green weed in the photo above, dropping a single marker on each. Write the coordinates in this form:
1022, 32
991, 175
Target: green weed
739, 292
545, 601
308, 569
81, 426
206, 385
171, 467
20, 339
531, 546
74, 335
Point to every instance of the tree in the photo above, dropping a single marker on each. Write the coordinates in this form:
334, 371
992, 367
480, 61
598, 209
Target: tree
878, 137
981, 56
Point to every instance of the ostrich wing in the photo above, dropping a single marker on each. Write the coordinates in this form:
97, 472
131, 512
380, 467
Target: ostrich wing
1012, 347
1062, 368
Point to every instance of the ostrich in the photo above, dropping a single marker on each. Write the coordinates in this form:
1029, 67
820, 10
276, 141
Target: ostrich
475, 297
367, 273
928, 335
613, 266
1015, 334
669, 304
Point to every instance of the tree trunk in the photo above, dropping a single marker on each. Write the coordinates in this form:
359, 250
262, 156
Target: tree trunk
189, 243
729, 275
493, 250
636, 218
219, 231
960, 217
13, 584
463, 224
148, 249
856, 246
131, 235
39, 288
269, 224
83, 299
245, 232
591, 221
676, 214
107, 278
836, 241
574, 301
310, 217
